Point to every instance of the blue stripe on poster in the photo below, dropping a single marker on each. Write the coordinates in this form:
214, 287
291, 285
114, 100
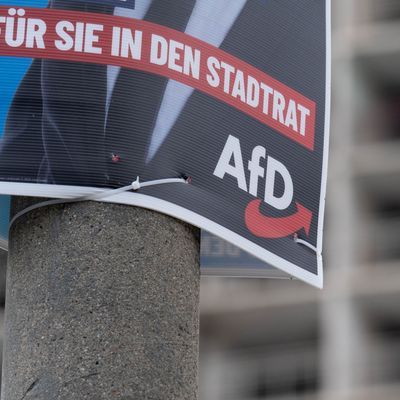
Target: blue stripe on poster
13, 69
24, 3
4, 218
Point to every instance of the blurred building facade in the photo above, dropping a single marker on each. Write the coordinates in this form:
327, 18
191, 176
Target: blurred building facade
282, 340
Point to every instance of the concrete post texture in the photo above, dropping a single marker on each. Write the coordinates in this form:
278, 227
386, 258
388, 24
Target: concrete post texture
102, 303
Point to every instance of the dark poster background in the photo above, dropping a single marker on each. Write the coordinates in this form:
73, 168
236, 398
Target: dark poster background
64, 128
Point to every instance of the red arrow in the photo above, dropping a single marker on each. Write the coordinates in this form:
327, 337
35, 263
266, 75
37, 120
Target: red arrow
273, 228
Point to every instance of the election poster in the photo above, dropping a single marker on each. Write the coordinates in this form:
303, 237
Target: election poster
214, 112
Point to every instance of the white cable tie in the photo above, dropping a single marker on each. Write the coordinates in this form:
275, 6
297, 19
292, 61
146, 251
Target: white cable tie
163, 181
304, 243
136, 184
97, 196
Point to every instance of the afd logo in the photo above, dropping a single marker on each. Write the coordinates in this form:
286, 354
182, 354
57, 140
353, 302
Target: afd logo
113, 3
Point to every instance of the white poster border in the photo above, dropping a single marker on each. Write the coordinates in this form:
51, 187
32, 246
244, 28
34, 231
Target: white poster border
168, 208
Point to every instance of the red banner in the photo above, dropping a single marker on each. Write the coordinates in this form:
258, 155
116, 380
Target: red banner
137, 44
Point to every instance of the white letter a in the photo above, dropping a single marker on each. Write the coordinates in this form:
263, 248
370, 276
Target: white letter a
232, 148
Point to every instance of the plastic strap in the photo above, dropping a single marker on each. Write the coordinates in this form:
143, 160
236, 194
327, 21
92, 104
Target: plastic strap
98, 196
306, 244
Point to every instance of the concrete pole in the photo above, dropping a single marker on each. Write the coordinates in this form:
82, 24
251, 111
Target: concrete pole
102, 303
